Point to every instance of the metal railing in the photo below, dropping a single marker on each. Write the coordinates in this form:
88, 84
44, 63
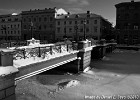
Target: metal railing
43, 51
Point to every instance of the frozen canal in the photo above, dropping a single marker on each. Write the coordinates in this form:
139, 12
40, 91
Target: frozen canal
115, 77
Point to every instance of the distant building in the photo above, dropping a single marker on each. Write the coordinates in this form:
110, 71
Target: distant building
10, 27
39, 24
128, 22
74, 26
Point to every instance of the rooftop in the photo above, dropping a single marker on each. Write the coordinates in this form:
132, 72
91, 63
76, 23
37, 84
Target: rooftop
132, 2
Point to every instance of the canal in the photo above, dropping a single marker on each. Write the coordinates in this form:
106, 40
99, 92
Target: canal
116, 76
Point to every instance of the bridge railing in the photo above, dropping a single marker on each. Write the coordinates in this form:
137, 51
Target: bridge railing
43, 51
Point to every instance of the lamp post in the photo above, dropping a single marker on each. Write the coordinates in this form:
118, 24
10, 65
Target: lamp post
32, 29
76, 30
84, 29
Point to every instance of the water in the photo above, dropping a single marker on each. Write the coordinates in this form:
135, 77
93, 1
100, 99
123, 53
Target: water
116, 75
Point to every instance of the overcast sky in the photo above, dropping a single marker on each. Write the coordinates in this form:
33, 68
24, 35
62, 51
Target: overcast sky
105, 8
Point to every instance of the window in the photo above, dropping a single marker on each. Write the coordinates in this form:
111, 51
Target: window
45, 19
16, 19
58, 29
25, 27
95, 21
18, 25
64, 22
51, 19
58, 23
39, 19
11, 32
87, 29
29, 19
70, 22
126, 16
15, 32
95, 29
118, 16
51, 26
70, 29
136, 15
24, 20
11, 26
87, 21
65, 30
136, 26
9, 19
82, 21
45, 26
18, 32
81, 30
35, 19
40, 27
15, 26
75, 22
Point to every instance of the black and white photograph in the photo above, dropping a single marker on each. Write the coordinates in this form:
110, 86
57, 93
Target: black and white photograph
69, 49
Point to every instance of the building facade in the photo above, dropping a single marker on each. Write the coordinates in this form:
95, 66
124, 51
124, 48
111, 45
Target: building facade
128, 22
78, 26
10, 27
39, 24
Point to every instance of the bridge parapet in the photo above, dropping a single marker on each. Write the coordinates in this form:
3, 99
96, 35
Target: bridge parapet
7, 75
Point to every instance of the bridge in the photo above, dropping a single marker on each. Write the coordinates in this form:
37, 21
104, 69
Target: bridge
18, 63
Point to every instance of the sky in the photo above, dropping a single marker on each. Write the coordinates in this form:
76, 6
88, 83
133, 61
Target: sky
104, 8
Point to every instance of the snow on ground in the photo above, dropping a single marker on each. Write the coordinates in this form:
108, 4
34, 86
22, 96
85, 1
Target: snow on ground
117, 75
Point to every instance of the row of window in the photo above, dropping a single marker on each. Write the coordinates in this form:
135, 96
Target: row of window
10, 26
38, 19
76, 22
40, 27
81, 30
9, 19
10, 32
128, 16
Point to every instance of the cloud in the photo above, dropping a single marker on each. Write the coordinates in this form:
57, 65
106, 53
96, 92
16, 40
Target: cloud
8, 11
76, 10
72, 2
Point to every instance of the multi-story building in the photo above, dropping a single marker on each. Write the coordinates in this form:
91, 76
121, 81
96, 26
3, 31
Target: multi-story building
128, 22
10, 27
81, 25
38, 24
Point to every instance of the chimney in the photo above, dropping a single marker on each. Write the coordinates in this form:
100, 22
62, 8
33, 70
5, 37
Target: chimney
76, 16
66, 17
132, 0
88, 12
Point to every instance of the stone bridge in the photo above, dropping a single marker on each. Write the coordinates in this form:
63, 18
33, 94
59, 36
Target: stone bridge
23, 62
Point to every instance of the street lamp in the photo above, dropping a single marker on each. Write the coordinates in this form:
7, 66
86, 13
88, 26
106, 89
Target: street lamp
5, 29
85, 29
76, 30
32, 29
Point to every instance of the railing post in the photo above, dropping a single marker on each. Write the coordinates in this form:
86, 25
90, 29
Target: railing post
67, 47
23, 51
39, 52
60, 49
51, 52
